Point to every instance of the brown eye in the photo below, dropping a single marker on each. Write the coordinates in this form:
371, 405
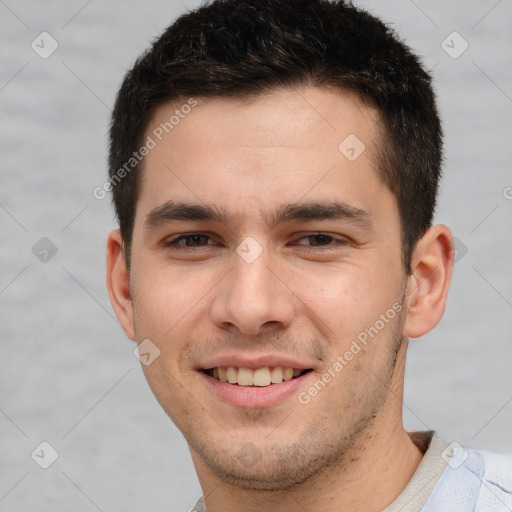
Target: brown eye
189, 240
320, 239
323, 240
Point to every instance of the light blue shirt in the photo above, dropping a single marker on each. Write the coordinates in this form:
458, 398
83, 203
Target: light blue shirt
473, 481
451, 478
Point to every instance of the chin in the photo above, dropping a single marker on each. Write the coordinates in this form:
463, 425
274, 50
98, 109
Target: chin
275, 469
261, 479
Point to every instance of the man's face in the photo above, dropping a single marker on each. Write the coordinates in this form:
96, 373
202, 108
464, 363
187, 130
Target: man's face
263, 290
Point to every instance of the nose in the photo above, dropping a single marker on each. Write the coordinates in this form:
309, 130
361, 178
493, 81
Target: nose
253, 297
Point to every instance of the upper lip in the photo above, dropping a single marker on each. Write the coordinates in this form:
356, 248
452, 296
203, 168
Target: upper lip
254, 362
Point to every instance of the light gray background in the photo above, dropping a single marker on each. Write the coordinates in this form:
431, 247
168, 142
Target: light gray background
68, 375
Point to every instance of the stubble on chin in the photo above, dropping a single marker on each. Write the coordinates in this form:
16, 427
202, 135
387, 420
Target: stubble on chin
282, 466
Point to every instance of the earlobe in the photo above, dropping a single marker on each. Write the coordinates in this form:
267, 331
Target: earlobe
431, 271
118, 283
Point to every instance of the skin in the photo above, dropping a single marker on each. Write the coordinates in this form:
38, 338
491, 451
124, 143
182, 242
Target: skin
305, 298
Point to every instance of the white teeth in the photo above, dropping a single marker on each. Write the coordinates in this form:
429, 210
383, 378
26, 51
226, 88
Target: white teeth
232, 375
277, 375
288, 374
245, 377
222, 374
261, 377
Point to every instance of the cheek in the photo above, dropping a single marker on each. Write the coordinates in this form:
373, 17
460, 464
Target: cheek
166, 298
345, 300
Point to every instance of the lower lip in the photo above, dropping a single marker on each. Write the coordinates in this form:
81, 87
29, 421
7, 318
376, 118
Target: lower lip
253, 397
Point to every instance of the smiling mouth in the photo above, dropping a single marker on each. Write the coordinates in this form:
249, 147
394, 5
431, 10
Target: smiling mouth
257, 378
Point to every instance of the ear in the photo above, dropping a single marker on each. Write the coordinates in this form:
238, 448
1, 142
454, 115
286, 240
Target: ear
118, 283
427, 289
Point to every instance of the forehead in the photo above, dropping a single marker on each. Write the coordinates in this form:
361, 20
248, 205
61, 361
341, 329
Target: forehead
280, 118
276, 147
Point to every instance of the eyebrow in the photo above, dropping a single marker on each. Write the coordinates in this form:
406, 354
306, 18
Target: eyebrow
313, 211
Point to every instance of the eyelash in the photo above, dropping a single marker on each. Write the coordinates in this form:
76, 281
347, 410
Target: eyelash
174, 243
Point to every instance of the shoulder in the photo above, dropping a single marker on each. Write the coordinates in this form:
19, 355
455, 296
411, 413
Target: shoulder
496, 480
473, 480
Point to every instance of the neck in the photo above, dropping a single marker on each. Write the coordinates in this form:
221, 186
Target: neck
368, 477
